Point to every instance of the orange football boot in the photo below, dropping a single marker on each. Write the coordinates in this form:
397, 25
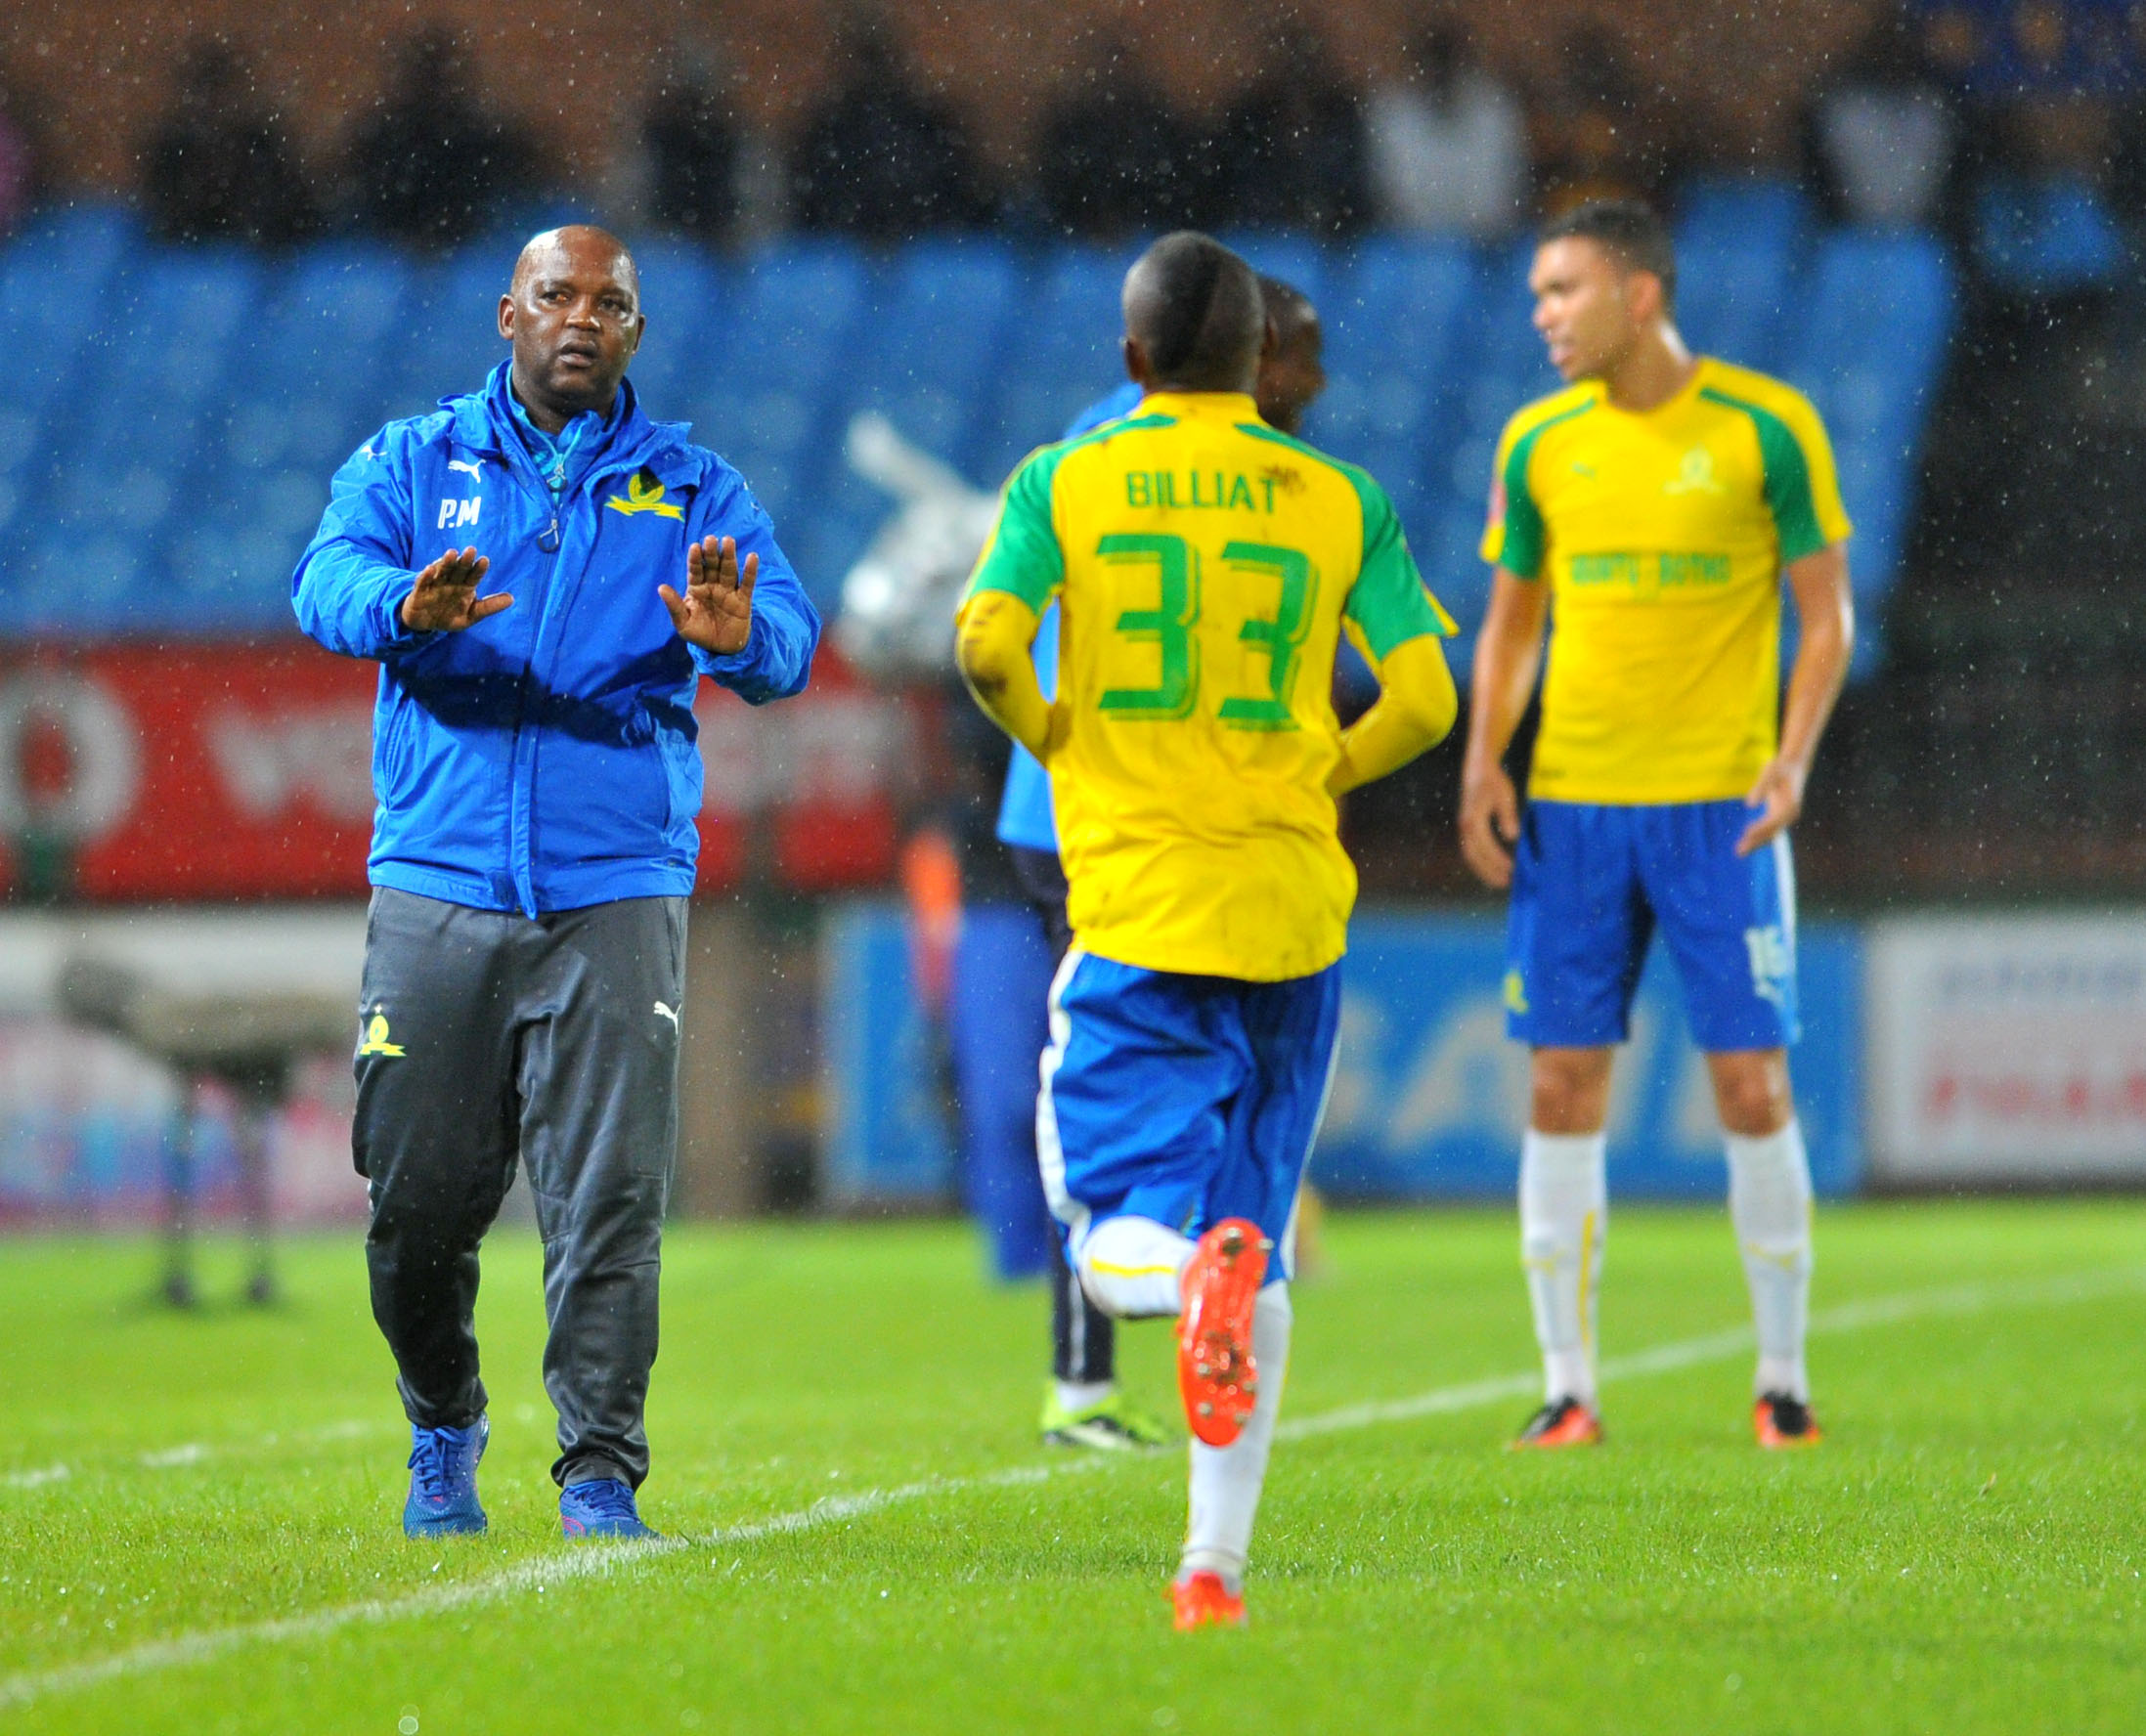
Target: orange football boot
1783, 1423
1563, 1423
1201, 1600
1216, 1375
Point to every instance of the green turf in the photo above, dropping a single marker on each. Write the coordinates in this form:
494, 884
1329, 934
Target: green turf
1962, 1555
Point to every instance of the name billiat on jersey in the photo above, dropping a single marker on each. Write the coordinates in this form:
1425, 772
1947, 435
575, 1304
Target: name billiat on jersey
1193, 491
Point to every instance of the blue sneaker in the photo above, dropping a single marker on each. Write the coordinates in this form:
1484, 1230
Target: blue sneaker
443, 1481
602, 1508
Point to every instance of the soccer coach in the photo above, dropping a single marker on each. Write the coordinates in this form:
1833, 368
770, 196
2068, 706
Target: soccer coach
537, 780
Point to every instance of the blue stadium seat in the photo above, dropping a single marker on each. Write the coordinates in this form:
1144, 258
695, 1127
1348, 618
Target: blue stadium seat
760, 396
2047, 235
453, 333
254, 382
1062, 354
686, 295
64, 263
1734, 294
930, 356
1742, 211
299, 408
939, 340
1737, 245
152, 399
1394, 317
1868, 351
1511, 368
1295, 259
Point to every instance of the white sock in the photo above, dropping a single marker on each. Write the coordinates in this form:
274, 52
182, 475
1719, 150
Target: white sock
1564, 1214
1226, 1480
1129, 1267
1077, 1395
1770, 1204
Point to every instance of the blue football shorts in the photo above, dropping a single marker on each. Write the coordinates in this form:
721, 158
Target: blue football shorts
1591, 884
1185, 1100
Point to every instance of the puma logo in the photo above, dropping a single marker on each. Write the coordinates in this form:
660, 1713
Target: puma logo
669, 1013
474, 466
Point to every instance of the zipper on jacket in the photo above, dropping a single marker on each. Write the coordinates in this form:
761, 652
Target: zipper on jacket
521, 792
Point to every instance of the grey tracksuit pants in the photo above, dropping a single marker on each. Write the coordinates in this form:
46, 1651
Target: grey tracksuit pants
487, 1035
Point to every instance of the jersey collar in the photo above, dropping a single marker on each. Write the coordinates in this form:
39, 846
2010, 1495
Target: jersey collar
1205, 407
1701, 375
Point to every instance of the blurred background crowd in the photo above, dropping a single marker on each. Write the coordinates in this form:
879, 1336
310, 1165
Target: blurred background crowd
886, 122
237, 235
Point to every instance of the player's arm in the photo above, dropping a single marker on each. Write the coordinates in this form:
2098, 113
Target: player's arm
1015, 576
1825, 616
1415, 712
1394, 621
1509, 654
995, 635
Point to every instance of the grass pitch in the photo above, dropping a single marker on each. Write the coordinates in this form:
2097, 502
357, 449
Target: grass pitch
199, 1516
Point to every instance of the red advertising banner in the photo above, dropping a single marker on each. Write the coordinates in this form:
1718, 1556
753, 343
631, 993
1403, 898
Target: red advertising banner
244, 771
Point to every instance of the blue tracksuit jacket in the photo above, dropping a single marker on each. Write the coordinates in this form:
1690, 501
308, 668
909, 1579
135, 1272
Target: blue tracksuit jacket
547, 757
1024, 817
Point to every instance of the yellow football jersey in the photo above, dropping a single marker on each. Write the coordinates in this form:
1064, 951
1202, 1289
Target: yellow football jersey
1663, 536
1205, 567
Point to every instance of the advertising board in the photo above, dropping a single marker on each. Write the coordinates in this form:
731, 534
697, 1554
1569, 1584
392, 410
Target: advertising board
130, 773
1430, 1097
2008, 1050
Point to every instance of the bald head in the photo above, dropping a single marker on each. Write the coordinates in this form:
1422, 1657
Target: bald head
572, 311
1194, 319
574, 244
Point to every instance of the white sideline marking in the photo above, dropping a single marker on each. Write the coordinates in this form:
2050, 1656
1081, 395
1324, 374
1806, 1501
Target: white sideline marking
35, 1479
194, 1452
586, 1561
1849, 1317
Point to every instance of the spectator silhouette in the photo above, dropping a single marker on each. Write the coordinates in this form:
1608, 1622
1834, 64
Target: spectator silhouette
1293, 144
1113, 156
20, 178
880, 159
1447, 141
1881, 136
219, 165
434, 166
1592, 138
694, 154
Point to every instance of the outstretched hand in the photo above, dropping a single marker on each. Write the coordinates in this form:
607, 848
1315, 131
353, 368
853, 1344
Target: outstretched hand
716, 613
446, 599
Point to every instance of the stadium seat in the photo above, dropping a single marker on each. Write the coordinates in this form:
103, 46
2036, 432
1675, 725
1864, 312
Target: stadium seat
151, 402
1738, 240
1509, 368
1395, 316
976, 352
686, 295
1060, 356
2047, 235
927, 359
1742, 211
760, 397
1869, 352
452, 336
1295, 259
65, 264
299, 409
